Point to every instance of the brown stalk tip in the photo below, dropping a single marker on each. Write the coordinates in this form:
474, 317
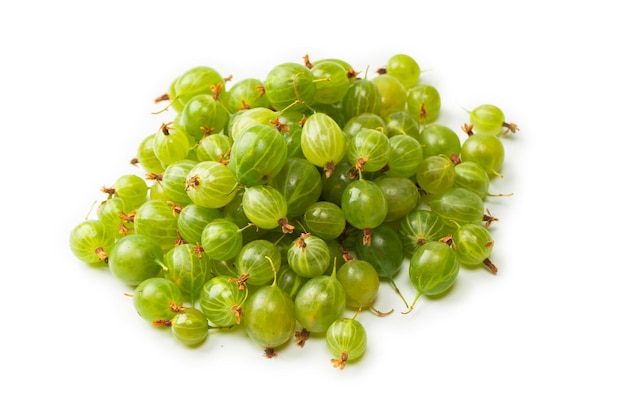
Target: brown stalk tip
123, 230
163, 97
510, 127
488, 219
285, 226
153, 176
490, 265
281, 127
270, 352
353, 74
108, 190
192, 183
367, 236
176, 208
360, 163
341, 362
307, 61
102, 255
238, 312
301, 242
468, 129
244, 106
165, 128
198, 250
345, 254
456, 159
175, 308
301, 337
128, 217
240, 281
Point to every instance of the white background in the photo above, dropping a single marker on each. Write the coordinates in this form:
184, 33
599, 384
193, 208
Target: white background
543, 337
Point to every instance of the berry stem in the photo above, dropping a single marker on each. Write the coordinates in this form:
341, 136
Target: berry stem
490, 265
397, 291
417, 296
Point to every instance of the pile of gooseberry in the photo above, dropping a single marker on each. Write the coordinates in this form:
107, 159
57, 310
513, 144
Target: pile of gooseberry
280, 205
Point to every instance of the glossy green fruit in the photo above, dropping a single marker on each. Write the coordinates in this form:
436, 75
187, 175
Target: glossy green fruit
325, 220
258, 153
458, 206
135, 258
361, 282
320, 301
221, 301
323, 142
190, 327
433, 269
91, 241
269, 318
308, 256
211, 184
364, 204
188, 268
289, 84
346, 339
154, 298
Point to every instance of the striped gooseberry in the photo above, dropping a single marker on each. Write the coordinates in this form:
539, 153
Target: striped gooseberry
346, 340
324, 219
486, 150
418, 227
91, 241
135, 258
392, 94
435, 174
171, 143
332, 84
266, 207
192, 220
245, 94
363, 96
222, 301
364, 205
433, 269
319, 302
253, 267
368, 150
404, 68
474, 245
290, 84
187, 268
308, 256
269, 316
438, 139
258, 153
158, 219
301, 184
154, 297
423, 103
211, 184
458, 206
190, 327
202, 115
222, 239
323, 142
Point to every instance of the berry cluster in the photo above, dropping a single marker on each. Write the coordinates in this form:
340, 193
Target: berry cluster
281, 205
